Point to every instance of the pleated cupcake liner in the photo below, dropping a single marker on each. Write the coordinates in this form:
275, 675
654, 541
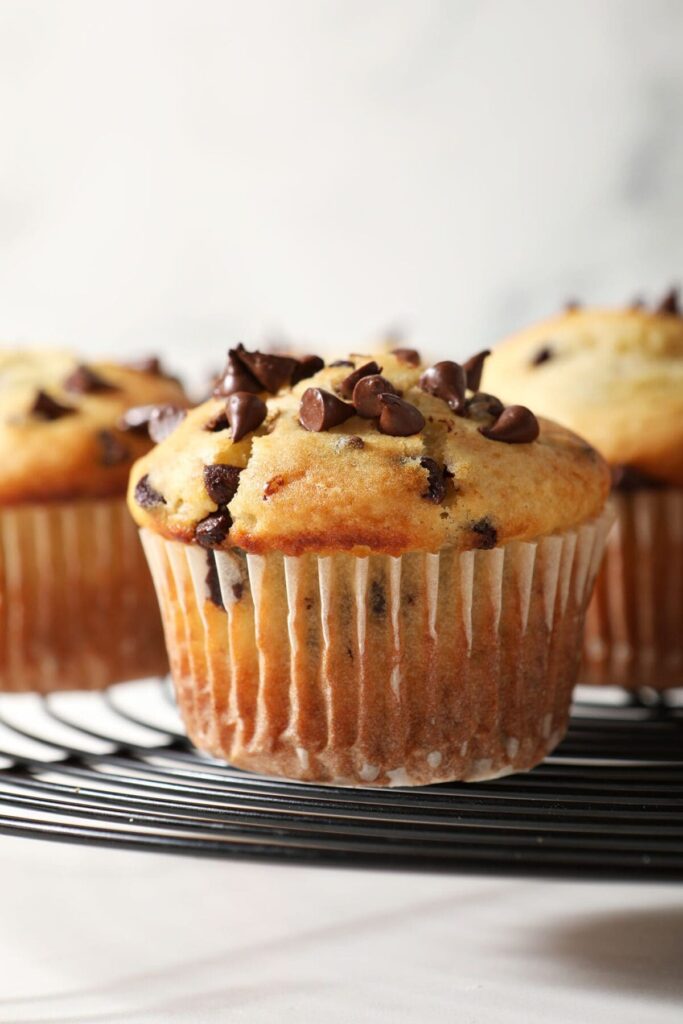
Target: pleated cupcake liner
77, 606
634, 624
378, 671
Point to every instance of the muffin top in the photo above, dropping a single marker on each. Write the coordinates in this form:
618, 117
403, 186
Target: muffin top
66, 429
368, 454
613, 376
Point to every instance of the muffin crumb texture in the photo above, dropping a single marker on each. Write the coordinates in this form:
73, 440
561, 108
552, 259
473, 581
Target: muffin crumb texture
374, 453
70, 430
615, 376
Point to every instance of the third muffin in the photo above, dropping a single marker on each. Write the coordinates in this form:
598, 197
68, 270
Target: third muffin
616, 377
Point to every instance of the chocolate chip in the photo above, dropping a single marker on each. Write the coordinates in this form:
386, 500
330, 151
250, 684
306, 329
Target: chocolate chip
306, 367
515, 425
213, 529
668, 305
237, 591
46, 408
572, 306
221, 482
112, 451
83, 380
271, 371
147, 496
486, 535
481, 404
378, 600
473, 369
341, 362
542, 355
366, 394
436, 480
217, 422
163, 420
320, 410
446, 380
407, 355
235, 377
245, 412
346, 386
212, 581
136, 419
148, 364
399, 418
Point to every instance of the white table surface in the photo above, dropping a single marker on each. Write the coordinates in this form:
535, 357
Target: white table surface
103, 935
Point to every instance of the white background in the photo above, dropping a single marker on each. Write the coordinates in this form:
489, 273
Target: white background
181, 175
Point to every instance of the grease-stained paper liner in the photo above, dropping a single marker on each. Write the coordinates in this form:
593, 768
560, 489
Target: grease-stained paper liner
77, 606
378, 671
634, 624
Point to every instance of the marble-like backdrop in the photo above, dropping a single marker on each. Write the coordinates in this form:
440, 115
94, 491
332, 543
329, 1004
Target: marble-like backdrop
182, 174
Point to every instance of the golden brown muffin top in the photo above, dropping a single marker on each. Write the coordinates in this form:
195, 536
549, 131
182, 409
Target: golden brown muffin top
62, 435
322, 466
613, 376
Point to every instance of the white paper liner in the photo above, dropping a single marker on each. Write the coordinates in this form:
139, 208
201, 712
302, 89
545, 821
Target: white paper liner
634, 624
77, 609
379, 670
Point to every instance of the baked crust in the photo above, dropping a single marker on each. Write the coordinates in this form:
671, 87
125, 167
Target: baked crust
613, 376
303, 491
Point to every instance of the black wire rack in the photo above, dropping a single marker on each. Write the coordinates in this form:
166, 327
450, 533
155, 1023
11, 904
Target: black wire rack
115, 769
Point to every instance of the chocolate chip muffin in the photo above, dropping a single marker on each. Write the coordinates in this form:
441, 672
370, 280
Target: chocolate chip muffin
370, 573
77, 609
616, 377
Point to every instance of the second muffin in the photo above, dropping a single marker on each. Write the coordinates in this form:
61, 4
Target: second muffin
616, 376
368, 577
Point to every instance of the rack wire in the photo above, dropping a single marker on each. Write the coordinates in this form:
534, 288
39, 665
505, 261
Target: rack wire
116, 769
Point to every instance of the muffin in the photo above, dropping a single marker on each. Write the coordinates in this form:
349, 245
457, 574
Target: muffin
77, 609
368, 576
616, 377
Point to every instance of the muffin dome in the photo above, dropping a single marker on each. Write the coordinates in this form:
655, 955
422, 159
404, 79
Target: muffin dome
63, 431
341, 462
613, 376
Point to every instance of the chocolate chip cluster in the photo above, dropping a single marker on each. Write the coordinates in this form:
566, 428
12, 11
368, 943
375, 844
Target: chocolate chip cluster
83, 380
371, 396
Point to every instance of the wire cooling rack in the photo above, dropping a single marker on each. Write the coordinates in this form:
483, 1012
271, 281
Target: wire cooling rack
115, 769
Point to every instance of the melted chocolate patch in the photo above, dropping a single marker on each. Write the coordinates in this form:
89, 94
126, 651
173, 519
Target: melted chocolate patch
213, 529
212, 581
436, 480
378, 600
486, 535
47, 408
221, 482
543, 355
147, 496
83, 380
